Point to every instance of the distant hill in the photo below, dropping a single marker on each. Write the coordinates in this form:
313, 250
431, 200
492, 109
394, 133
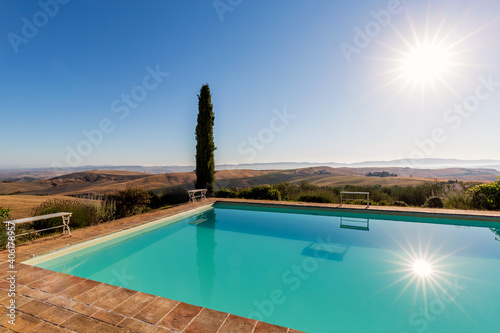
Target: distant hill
108, 181
427, 163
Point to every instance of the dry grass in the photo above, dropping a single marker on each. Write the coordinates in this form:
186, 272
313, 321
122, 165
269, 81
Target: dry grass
22, 205
113, 181
8, 188
362, 180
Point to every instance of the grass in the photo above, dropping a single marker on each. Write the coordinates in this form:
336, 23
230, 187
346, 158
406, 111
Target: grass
23, 205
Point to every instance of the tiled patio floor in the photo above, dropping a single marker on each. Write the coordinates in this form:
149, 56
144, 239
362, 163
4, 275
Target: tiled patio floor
49, 301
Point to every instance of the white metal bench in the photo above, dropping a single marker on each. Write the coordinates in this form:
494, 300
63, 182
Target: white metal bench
356, 199
197, 194
65, 221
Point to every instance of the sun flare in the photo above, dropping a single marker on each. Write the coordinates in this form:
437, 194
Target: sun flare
422, 268
425, 62
425, 59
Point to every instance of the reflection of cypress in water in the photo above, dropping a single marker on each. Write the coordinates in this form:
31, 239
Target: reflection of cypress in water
205, 244
496, 231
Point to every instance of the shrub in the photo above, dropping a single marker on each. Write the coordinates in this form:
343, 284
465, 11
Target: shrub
155, 201
4, 214
315, 198
171, 196
226, 193
130, 202
305, 186
400, 204
287, 190
434, 202
456, 197
416, 196
84, 213
106, 210
260, 192
293, 192
486, 196
105, 206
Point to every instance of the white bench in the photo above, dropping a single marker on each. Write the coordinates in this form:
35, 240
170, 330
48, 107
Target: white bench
355, 199
197, 194
65, 221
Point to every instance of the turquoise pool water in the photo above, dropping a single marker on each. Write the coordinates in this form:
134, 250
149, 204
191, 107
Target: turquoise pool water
315, 271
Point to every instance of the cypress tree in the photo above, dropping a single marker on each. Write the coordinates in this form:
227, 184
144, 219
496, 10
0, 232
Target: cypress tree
205, 147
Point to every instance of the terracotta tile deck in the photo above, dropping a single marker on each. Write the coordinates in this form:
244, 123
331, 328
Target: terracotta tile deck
49, 301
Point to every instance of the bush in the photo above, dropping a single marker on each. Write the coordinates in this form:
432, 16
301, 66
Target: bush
260, 192
456, 197
226, 193
416, 196
434, 202
293, 192
287, 190
130, 202
486, 196
315, 198
84, 213
400, 204
172, 196
4, 214
106, 210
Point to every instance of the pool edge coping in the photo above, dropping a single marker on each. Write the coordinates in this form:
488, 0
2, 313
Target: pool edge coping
470, 215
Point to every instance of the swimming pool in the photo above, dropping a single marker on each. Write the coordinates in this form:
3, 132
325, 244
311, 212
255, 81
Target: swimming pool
312, 270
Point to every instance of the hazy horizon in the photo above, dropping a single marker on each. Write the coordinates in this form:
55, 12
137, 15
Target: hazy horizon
104, 84
430, 163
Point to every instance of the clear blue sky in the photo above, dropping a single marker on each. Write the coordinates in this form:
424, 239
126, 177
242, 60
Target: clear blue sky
349, 96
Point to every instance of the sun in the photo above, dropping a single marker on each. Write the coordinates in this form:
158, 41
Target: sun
426, 60
425, 63
422, 268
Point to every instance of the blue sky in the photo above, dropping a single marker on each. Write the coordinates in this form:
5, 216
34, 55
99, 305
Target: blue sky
290, 80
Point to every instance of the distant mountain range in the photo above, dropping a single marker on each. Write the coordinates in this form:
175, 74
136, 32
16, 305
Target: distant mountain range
428, 163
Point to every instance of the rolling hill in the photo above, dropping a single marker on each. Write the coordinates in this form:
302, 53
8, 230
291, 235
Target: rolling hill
108, 181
